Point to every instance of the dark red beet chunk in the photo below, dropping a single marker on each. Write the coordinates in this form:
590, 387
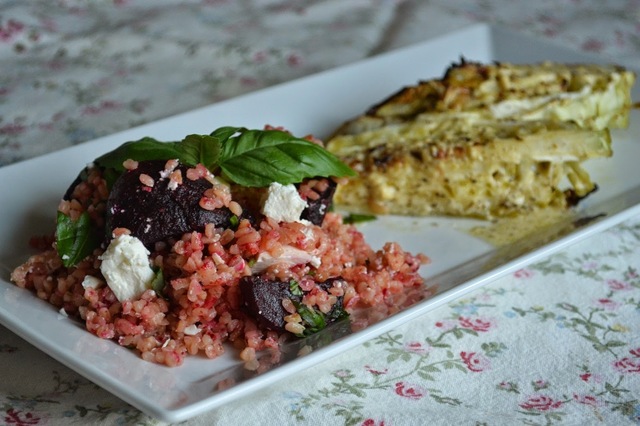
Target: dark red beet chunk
156, 213
262, 299
317, 209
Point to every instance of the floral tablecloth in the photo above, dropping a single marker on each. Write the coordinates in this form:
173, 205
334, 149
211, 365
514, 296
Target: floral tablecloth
557, 342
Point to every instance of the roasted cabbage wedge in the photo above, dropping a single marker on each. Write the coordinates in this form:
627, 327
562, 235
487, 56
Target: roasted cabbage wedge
484, 141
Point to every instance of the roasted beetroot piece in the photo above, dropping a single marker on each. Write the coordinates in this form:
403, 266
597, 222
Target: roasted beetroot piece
262, 299
318, 208
145, 203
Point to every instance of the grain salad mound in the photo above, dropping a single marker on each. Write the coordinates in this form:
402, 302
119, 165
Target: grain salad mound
175, 254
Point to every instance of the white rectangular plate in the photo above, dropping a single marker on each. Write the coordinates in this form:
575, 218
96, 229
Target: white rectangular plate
31, 190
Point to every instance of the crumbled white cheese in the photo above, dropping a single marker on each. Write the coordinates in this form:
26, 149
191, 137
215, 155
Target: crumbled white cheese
172, 185
309, 236
192, 330
125, 266
283, 203
91, 282
170, 166
290, 256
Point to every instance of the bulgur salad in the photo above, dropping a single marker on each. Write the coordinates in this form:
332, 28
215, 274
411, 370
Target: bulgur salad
222, 240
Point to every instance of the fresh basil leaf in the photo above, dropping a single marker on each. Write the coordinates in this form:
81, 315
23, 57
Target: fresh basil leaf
294, 288
140, 150
247, 157
201, 149
312, 320
157, 284
192, 150
358, 218
260, 157
224, 133
75, 239
110, 176
338, 313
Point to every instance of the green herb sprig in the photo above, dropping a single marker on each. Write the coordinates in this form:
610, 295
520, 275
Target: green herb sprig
354, 218
314, 320
254, 158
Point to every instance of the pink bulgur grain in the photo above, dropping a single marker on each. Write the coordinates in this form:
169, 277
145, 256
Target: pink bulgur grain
147, 180
130, 164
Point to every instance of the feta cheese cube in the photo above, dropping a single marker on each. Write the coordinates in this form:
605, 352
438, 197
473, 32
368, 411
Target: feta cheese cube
125, 266
283, 203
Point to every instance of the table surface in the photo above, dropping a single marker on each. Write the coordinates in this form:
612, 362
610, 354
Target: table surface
557, 342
